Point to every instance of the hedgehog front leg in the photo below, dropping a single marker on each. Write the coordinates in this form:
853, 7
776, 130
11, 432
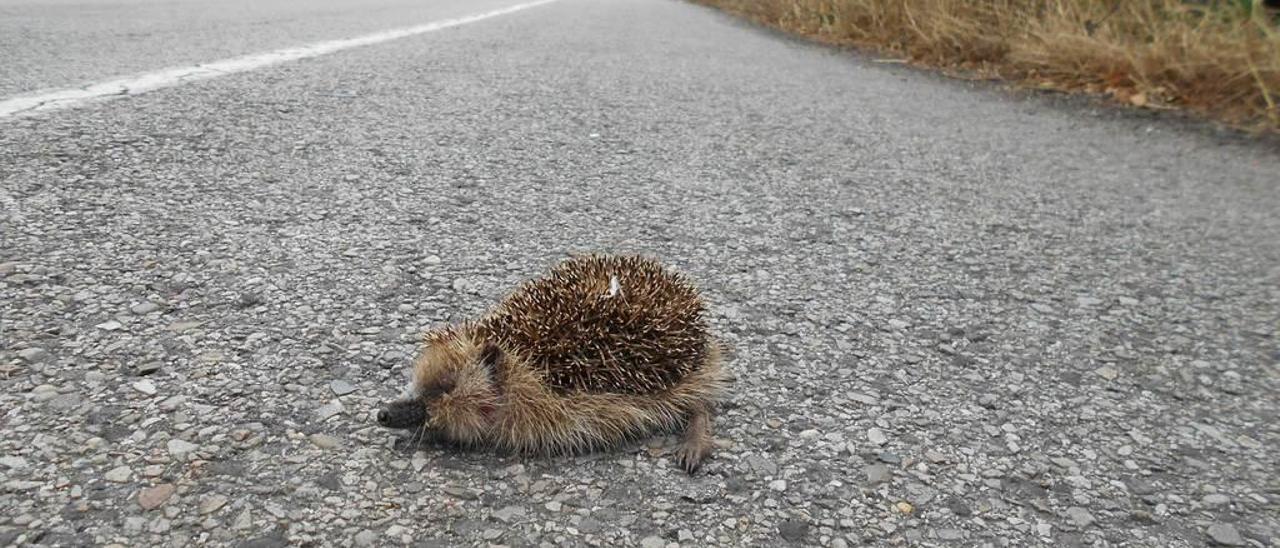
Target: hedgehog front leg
695, 444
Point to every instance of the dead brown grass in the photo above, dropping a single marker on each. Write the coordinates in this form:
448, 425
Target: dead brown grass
1217, 58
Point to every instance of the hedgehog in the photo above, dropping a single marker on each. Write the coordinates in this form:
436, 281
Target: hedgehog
600, 351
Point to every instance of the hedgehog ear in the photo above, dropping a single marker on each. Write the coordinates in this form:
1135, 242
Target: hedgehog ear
490, 355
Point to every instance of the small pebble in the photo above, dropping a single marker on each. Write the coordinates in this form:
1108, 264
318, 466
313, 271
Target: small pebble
341, 387
152, 497
1225, 534
324, 441
876, 436
119, 474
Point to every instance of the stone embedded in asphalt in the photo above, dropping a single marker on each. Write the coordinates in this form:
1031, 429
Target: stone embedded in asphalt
144, 308
324, 441
460, 492
762, 465
1215, 499
1225, 534
248, 299
152, 497
179, 327
244, 520
864, 399
134, 524
366, 538
877, 473
13, 463
328, 410
1080, 517
1063, 462
171, 403
341, 387
652, 542
119, 474
419, 461
65, 402
589, 525
793, 530
180, 448
876, 436
701, 492
509, 514
145, 386
1088, 302
212, 503
33, 355
160, 526
959, 507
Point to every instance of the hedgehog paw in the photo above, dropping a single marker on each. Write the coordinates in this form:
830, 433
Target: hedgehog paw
691, 455
695, 445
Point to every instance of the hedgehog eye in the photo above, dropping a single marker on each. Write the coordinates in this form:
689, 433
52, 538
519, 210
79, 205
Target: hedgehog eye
437, 389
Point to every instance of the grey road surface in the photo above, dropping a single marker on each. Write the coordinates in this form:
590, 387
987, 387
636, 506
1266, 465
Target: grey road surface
959, 317
61, 43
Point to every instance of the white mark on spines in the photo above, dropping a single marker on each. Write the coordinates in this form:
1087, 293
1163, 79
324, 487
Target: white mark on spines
614, 286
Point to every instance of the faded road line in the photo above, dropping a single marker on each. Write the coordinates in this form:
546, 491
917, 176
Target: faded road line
142, 83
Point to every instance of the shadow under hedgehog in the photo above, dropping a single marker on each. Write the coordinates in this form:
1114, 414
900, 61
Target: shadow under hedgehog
600, 351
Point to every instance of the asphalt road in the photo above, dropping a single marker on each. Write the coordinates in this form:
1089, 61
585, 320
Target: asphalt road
60, 43
959, 316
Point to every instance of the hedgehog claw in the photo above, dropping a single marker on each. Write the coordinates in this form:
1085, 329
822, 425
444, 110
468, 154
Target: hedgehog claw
695, 445
689, 461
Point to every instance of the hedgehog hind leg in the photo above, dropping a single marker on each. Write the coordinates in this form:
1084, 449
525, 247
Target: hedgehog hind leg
695, 443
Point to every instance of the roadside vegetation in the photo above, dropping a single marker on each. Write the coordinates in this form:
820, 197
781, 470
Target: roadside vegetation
1217, 58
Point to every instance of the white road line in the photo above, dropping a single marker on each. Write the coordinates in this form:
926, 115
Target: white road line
142, 83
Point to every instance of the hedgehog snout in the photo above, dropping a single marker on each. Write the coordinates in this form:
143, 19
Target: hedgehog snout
403, 414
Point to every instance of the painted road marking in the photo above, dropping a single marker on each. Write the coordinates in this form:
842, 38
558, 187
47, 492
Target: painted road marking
142, 83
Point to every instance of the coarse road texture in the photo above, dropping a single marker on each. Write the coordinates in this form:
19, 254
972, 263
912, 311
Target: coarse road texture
959, 317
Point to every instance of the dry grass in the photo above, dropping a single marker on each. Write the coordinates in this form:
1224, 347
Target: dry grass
1220, 58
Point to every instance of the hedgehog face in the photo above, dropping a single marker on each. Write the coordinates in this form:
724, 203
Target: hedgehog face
452, 391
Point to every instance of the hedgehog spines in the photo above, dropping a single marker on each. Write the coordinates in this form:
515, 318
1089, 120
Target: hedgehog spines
605, 324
